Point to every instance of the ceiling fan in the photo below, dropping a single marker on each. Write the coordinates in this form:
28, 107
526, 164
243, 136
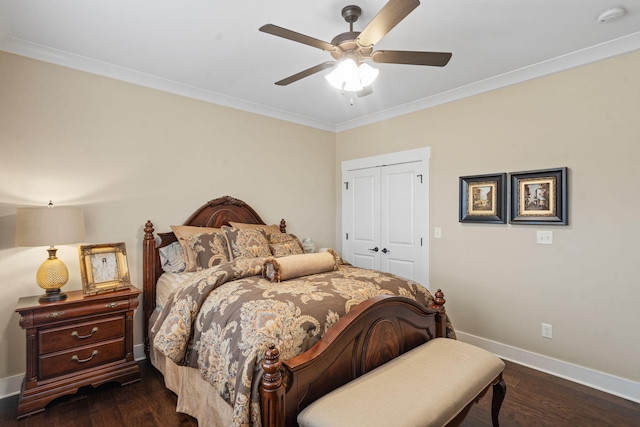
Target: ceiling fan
358, 46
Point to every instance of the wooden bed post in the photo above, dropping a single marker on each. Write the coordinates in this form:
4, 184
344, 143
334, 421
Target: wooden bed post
272, 390
441, 317
148, 280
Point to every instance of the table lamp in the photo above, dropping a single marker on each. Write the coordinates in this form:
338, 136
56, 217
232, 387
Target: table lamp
50, 226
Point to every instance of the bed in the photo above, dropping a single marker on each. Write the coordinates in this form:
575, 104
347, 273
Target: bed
276, 375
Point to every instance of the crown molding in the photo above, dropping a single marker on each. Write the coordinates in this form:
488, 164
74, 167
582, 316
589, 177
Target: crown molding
595, 53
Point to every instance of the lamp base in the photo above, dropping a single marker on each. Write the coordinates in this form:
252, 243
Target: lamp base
52, 295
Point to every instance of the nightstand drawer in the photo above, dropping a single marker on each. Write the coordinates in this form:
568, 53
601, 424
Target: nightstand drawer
87, 308
80, 358
63, 338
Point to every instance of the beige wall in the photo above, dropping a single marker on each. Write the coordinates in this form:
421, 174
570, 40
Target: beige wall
500, 285
118, 150
128, 154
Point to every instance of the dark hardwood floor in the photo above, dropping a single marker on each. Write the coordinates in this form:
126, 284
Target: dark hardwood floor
533, 399
537, 399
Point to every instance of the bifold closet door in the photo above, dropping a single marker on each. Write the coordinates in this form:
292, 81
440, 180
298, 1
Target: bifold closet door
385, 219
361, 202
403, 226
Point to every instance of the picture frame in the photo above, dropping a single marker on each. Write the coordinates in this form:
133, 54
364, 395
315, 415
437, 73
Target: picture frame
483, 198
539, 197
104, 268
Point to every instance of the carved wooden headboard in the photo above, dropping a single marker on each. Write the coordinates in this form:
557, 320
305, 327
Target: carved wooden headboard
215, 213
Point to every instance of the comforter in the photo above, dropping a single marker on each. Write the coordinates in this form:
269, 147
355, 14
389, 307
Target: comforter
223, 318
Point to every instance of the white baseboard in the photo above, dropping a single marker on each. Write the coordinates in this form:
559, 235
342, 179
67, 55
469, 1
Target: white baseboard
611, 384
138, 352
10, 386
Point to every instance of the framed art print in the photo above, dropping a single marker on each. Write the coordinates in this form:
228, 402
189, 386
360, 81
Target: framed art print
483, 198
104, 267
539, 197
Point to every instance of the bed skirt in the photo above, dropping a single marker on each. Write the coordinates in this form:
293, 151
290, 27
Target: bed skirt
196, 397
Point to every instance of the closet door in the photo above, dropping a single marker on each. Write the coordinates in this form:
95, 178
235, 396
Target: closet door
385, 219
361, 204
403, 221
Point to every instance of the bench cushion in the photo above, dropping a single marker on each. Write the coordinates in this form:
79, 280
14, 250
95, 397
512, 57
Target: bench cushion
427, 386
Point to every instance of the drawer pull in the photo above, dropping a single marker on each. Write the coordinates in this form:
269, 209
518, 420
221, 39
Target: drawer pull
111, 305
55, 314
75, 333
76, 359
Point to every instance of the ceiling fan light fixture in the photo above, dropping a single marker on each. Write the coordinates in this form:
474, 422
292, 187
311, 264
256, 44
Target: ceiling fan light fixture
367, 74
350, 77
353, 85
346, 71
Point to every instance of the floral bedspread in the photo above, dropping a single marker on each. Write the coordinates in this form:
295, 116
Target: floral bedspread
222, 320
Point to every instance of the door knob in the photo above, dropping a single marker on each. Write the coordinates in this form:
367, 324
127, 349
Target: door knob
374, 249
386, 251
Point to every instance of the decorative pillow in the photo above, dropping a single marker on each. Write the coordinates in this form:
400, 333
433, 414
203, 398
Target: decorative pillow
172, 258
282, 244
246, 243
268, 229
210, 249
294, 266
182, 232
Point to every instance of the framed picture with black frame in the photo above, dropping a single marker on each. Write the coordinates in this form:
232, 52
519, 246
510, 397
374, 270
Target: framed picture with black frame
539, 197
483, 198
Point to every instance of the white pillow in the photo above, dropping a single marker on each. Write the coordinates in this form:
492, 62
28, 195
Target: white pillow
172, 258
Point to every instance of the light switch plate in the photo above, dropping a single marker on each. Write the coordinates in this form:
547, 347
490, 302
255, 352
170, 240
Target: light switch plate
547, 331
544, 237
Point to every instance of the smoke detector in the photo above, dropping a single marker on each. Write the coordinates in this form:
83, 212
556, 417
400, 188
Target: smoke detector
611, 14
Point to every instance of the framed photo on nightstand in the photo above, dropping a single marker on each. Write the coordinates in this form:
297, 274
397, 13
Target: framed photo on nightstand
104, 267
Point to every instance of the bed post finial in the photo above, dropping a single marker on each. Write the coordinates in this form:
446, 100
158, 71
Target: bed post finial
148, 231
441, 317
283, 226
272, 389
439, 298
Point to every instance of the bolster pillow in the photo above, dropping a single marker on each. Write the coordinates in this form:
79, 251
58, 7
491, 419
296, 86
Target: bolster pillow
292, 266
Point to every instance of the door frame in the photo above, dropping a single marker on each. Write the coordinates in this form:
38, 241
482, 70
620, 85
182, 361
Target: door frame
399, 157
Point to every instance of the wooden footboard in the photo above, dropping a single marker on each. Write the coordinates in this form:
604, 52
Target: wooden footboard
370, 335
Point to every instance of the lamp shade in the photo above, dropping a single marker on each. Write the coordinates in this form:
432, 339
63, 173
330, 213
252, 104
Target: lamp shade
49, 226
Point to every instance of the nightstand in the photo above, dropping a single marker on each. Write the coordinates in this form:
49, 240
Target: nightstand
82, 340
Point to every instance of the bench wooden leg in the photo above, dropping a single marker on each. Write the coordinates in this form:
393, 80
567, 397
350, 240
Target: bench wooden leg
499, 391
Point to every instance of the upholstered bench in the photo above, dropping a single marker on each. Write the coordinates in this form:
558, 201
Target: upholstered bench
434, 384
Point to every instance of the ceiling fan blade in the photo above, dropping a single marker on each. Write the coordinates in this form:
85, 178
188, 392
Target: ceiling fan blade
306, 73
434, 59
296, 37
389, 16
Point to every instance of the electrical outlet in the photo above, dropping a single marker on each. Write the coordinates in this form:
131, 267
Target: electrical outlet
547, 331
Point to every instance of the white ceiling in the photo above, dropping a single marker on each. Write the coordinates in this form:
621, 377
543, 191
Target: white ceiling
212, 50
